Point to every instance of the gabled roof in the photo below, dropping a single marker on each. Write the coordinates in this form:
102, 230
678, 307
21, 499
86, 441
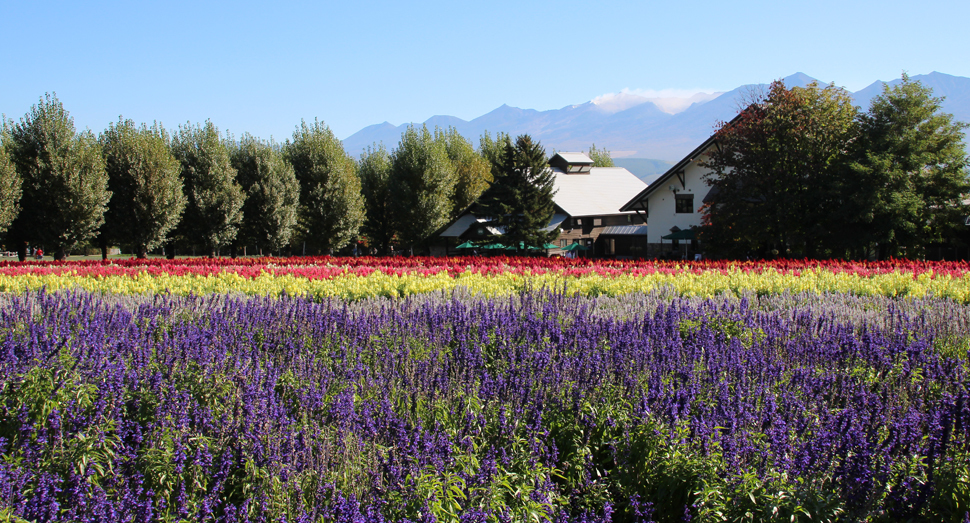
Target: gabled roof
599, 193
572, 158
640, 200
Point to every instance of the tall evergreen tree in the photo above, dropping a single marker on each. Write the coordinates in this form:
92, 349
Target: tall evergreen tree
214, 199
10, 183
520, 200
472, 172
332, 210
65, 187
271, 210
910, 172
422, 182
375, 186
144, 178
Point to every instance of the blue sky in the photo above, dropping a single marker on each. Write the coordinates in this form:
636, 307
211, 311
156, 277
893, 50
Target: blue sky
260, 67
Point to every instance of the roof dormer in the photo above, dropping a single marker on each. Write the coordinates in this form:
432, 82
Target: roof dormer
571, 163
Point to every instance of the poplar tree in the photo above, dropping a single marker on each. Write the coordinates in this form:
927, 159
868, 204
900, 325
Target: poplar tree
214, 200
375, 186
600, 157
422, 184
65, 187
272, 194
472, 172
145, 180
331, 207
520, 201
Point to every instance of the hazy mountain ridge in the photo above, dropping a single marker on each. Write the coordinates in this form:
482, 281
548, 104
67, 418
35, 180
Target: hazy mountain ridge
643, 130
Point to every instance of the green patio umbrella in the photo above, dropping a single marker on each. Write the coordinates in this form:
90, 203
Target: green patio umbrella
466, 245
550, 246
493, 246
575, 247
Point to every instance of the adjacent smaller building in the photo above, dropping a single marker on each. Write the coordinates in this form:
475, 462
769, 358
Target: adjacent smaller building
587, 211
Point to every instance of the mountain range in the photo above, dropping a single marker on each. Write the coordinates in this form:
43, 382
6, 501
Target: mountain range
636, 128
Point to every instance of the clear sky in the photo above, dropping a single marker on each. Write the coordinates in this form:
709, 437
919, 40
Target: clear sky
261, 67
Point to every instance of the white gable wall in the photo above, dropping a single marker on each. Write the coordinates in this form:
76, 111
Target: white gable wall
661, 205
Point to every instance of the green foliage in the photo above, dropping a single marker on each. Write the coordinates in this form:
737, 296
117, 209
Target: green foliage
422, 184
909, 169
331, 206
519, 201
272, 193
600, 157
776, 172
65, 187
472, 172
492, 150
143, 176
214, 207
375, 186
10, 190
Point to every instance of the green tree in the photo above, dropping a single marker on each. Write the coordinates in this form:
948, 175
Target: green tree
910, 171
776, 173
600, 157
332, 210
520, 200
65, 187
144, 178
492, 150
214, 200
472, 172
271, 210
10, 188
375, 186
422, 182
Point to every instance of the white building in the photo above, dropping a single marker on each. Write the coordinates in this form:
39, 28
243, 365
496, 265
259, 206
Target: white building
587, 211
671, 205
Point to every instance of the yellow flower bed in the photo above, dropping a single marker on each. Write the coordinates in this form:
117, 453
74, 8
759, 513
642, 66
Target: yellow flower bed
354, 287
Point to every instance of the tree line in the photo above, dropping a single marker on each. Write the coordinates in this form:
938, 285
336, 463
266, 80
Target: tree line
802, 172
199, 190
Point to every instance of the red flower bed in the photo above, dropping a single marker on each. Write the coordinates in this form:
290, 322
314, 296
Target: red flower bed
328, 267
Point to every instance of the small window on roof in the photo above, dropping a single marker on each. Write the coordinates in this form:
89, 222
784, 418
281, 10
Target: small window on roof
597, 222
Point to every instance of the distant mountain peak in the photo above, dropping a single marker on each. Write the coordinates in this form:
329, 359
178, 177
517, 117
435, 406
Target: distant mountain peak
642, 124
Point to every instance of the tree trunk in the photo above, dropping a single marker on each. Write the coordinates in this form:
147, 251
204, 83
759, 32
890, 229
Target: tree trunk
170, 251
59, 253
142, 252
103, 243
22, 251
233, 250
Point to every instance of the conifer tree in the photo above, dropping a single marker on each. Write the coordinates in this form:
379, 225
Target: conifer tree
271, 210
520, 200
65, 187
331, 207
144, 178
909, 173
214, 199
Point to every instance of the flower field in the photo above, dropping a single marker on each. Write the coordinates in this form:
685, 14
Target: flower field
474, 390
356, 278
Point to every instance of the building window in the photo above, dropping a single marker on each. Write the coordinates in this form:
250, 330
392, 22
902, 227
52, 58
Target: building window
578, 222
597, 222
684, 203
562, 243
